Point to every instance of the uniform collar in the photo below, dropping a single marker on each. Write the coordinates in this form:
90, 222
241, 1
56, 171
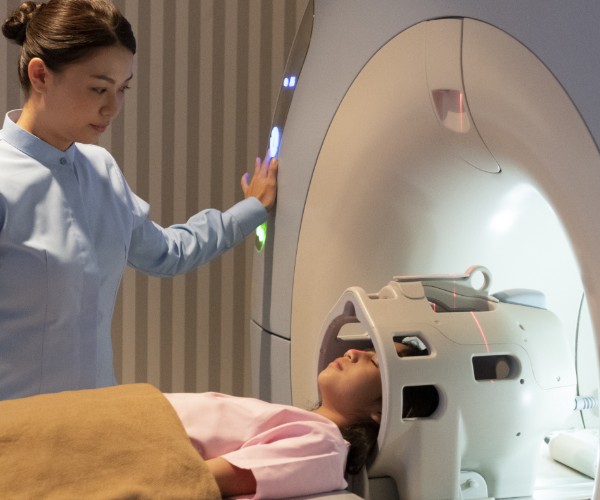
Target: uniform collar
34, 146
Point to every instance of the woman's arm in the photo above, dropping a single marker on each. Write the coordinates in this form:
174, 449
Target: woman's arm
232, 481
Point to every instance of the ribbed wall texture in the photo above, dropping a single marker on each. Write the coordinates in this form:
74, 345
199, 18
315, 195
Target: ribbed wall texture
198, 113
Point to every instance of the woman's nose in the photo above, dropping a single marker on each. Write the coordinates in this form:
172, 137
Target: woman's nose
111, 107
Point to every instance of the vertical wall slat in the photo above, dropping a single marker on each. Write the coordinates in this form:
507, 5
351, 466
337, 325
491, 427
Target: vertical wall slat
142, 183
154, 171
192, 158
205, 167
180, 167
216, 195
168, 91
228, 186
242, 163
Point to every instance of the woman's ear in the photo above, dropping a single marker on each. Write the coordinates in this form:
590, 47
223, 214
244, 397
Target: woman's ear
38, 74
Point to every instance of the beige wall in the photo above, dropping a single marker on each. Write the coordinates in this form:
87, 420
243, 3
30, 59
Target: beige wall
197, 114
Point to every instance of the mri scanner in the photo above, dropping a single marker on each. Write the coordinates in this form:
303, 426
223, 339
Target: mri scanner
417, 139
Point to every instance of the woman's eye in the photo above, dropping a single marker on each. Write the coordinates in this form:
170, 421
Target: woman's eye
99, 90
124, 88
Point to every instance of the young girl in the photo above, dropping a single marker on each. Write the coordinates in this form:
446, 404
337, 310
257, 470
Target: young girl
278, 451
129, 441
69, 223
136, 439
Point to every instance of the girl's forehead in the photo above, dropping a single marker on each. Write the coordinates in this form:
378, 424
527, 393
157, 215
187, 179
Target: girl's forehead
401, 349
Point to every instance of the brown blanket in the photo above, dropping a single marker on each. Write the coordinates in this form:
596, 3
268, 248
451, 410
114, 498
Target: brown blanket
122, 442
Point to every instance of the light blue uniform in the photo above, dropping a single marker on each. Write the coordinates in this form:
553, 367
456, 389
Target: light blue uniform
69, 224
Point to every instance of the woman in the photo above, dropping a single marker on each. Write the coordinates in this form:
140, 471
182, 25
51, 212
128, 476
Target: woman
69, 223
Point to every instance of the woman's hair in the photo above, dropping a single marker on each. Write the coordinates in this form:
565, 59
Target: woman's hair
61, 32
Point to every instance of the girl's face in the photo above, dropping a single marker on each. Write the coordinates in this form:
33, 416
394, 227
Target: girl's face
351, 385
81, 100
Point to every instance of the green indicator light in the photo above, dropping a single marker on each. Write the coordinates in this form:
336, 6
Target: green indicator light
261, 237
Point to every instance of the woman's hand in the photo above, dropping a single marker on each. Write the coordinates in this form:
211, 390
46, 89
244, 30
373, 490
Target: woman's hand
263, 184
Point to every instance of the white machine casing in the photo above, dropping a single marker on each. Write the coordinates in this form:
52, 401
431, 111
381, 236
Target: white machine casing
420, 138
502, 371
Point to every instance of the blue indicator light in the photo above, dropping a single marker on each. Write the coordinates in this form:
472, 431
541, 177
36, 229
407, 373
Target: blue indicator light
274, 142
289, 81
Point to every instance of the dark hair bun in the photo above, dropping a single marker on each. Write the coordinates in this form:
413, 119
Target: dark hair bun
15, 26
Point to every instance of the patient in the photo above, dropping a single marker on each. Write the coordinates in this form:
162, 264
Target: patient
274, 451
132, 441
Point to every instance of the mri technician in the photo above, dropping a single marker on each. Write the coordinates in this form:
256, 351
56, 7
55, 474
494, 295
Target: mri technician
69, 223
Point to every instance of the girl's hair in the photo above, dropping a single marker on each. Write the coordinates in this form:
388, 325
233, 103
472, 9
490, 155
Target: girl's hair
61, 32
362, 438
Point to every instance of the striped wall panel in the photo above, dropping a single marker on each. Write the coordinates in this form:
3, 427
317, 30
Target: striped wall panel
197, 114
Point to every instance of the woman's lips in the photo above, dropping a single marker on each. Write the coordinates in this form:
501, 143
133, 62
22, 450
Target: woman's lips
99, 128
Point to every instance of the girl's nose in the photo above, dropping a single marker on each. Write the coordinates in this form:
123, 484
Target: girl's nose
354, 355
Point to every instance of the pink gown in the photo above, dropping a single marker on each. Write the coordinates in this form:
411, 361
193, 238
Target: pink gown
290, 451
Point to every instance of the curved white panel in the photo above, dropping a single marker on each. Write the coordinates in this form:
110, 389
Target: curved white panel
390, 196
423, 147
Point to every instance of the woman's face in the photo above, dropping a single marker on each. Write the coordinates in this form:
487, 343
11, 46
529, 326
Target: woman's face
81, 100
351, 385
